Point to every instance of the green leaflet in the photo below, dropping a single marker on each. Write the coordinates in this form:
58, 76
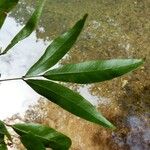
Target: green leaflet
3, 130
3, 146
28, 28
5, 7
69, 100
93, 71
31, 142
46, 135
2, 18
3, 133
2, 142
57, 49
1, 137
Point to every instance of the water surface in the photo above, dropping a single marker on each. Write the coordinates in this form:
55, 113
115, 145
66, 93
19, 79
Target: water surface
114, 29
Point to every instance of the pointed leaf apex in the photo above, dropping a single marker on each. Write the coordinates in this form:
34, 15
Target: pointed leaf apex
57, 49
139, 61
85, 16
144, 59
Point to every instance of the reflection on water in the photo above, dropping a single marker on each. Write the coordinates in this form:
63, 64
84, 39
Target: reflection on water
114, 29
93, 99
16, 95
137, 134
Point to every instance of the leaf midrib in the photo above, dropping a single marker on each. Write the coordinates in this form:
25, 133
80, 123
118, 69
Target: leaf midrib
38, 136
46, 60
73, 101
61, 73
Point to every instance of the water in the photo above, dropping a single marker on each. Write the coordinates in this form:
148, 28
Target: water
16, 95
114, 29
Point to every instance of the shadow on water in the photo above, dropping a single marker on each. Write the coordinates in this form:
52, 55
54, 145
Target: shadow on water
136, 106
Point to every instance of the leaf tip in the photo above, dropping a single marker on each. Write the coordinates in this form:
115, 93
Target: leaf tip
2, 53
113, 127
85, 16
137, 63
143, 59
110, 126
140, 61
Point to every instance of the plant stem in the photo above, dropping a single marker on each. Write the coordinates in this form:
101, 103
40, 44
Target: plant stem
20, 78
10, 79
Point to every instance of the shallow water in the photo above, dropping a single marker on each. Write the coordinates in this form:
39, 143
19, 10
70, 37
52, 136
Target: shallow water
15, 95
114, 29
